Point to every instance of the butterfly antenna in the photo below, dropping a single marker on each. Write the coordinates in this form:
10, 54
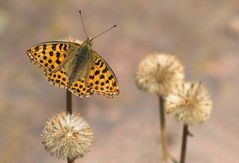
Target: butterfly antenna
104, 32
83, 23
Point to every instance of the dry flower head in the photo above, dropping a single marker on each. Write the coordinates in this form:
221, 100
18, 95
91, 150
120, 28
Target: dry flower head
158, 73
67, 136
189, 102
71, 39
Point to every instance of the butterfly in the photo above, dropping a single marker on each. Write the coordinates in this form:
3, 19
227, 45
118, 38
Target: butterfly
75, 67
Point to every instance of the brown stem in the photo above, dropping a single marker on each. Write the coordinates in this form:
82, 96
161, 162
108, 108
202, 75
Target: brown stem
68, 102
163, 129
70, 161
184, 143
69, 111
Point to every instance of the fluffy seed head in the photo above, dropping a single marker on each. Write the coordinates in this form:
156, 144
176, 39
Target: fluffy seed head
71, 39
67, 136
158, 73
189, 102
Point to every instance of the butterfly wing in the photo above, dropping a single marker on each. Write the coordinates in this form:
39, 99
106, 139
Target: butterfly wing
101, 77
98, 78
80, 87
58, 78
51, 55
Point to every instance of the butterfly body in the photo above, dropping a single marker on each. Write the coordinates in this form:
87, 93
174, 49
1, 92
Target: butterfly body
76, 67
76, 62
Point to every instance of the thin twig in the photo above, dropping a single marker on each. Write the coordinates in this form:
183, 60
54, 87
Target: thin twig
163, 129
69, 111
184, 143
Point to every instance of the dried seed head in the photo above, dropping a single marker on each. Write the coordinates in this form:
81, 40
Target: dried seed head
189, 102
158, 73
67, 136
71, 39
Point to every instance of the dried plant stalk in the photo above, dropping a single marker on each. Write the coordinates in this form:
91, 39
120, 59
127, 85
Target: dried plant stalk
69, 110
163, 129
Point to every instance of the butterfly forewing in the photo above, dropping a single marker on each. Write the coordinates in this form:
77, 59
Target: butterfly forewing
51, 55
101, 77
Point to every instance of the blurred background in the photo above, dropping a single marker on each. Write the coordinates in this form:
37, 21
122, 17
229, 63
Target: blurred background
203, 34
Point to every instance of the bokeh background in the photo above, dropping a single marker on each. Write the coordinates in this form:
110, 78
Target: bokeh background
203, 34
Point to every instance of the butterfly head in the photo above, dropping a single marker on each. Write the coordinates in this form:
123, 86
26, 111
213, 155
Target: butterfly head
88, 42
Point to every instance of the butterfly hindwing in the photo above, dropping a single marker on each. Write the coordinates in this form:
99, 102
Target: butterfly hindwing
79, 88
51, 55
58, 78
101, 77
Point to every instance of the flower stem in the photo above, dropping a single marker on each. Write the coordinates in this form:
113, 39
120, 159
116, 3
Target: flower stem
68, 102
69, 111
163, 129
184, 143
70, 161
